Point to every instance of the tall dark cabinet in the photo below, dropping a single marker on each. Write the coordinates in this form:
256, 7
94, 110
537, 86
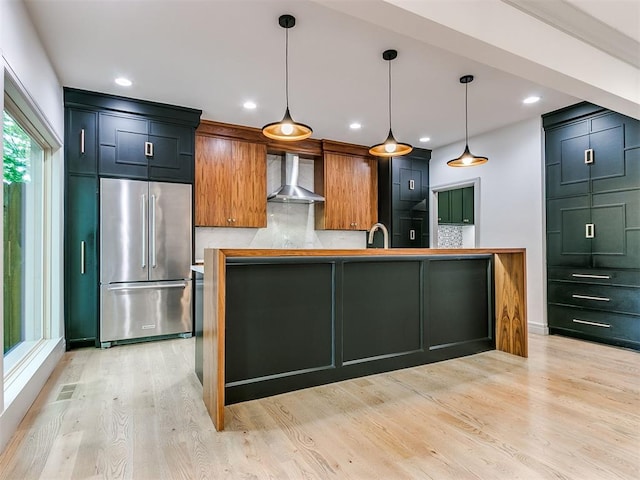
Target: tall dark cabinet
593, 224
403, 198
111, 136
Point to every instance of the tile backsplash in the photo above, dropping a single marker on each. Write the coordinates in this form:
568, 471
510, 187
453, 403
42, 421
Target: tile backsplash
289, 225
456, 236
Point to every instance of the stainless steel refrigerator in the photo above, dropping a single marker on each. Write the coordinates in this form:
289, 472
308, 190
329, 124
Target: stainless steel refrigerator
145, 259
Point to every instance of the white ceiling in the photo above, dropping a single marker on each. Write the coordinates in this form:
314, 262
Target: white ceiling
216, 54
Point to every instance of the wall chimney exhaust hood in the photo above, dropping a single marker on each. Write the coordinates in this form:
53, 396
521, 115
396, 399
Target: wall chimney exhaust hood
290, 191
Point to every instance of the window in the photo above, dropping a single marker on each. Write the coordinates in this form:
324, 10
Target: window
23, 192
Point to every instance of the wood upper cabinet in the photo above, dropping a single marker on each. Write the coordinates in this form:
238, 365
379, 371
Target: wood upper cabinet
349, 184
230, 183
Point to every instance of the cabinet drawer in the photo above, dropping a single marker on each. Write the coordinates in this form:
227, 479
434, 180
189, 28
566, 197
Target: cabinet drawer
624, 328
595, 276
599, 297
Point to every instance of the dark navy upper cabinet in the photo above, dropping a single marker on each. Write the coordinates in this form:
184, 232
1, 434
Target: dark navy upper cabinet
81, 128
139, 139
403, 198
592, 159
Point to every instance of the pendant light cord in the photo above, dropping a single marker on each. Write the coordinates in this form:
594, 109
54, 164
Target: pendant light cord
466, 114
389, 95
286, 65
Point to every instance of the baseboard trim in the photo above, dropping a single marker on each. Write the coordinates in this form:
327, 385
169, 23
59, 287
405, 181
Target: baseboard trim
538, 328
24, 391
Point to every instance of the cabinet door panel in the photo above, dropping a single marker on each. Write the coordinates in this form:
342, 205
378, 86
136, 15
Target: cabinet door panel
467, 205
81, 270
81, 144
616, 216
443, 207
364, 201
213, 181
349, 186
455, 205
172, 152
249, 184
573, 169
122, 149
608, 148
609, 231
566, 242
574, 240
410, 185
567, 174
381, 317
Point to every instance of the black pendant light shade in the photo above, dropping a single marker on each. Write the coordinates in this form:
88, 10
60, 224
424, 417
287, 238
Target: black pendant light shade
287, 129
390, 147
467, 159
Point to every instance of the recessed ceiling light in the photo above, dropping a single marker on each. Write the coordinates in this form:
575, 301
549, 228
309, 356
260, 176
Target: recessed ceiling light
355, 126
531, 99
249, 105
123, 82
424, 139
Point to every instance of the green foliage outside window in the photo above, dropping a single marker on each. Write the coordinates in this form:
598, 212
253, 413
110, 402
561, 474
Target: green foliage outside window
16, 156
16, 152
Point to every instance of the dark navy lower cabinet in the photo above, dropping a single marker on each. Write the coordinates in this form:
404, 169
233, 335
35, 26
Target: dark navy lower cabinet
293, 323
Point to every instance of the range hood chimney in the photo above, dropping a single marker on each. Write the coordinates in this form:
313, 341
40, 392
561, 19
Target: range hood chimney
290, 191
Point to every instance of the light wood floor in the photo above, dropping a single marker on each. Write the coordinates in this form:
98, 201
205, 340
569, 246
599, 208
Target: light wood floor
570, 411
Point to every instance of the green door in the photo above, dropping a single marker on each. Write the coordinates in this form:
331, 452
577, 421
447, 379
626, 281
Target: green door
455, 205
81, 268
443, 207
467, 205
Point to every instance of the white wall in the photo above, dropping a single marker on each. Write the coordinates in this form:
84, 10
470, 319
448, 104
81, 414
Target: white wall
511, 199
26, 62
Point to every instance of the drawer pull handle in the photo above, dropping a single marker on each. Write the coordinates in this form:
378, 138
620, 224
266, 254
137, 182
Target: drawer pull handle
588, 297
148, 149
412, 184
588, 156
588, 275
412, 234
595, 324
82, 141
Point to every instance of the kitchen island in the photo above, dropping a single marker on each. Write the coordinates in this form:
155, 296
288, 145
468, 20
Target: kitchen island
281, 320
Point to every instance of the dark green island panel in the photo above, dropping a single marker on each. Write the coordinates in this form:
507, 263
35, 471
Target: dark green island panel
275, 321
296, 323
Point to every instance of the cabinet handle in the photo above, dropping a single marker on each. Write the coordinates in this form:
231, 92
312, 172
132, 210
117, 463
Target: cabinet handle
82, 141
148, 149
412, 234
588, 156
588, 275
588, 297
595, 324
589, 230
412, 184
466, 220
82, 257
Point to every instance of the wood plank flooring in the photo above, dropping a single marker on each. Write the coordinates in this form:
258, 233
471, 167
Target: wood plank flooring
569, 411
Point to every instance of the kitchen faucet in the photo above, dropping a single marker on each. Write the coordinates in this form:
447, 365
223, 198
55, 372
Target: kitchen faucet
385, 234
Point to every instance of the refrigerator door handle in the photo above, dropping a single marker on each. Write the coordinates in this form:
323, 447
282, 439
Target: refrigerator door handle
153, 231
149, 286
143, 225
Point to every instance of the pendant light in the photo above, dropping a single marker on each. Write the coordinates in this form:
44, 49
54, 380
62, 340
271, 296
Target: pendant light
467, 159
390, 147
287, 129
